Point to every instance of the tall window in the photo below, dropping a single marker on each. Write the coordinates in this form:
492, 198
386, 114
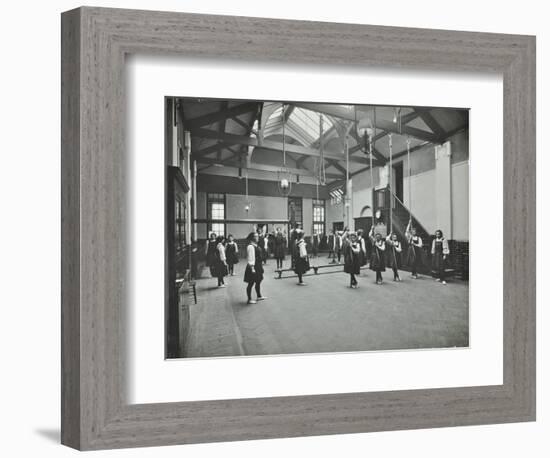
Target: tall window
319, 216
216, 213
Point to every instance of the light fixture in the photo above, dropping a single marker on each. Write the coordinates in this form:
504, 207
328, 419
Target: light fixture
284, 176
365, 131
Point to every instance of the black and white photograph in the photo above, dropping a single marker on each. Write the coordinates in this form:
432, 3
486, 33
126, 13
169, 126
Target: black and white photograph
302, 227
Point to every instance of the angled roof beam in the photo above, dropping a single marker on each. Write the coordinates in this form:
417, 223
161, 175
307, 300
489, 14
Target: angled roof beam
243, 124
336, 165
269, 144
261, 167
378, 156
221, 115
339, 112
288, 111
213, 148
431, 122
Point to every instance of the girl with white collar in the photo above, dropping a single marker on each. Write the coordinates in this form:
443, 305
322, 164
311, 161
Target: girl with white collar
440, 253
394, 254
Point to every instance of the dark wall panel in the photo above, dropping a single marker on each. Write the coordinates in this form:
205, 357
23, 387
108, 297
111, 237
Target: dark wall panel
233, 185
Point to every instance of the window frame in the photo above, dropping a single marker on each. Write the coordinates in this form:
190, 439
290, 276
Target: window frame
322, 204
215, 198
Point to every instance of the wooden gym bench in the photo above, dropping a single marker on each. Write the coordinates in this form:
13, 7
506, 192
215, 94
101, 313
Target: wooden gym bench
315, 269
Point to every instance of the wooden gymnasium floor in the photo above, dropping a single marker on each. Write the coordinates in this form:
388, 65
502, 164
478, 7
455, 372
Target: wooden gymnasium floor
326, 315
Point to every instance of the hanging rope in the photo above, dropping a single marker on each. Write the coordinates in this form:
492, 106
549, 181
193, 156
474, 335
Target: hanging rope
322, 178
371, 172
348, 195
410, 169
284, 137
317, 189
390, 136
247, 204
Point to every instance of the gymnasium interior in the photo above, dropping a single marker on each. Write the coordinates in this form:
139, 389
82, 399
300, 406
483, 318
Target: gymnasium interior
237, 166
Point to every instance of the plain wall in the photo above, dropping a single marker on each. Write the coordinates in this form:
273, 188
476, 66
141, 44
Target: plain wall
423, 187
460, 178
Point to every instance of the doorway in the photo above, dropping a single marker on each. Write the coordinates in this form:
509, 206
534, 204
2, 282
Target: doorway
397, 184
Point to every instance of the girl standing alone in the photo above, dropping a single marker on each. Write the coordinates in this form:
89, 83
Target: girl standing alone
377, 262
232, 254
301, 261
440, 252
254, 272
352, 259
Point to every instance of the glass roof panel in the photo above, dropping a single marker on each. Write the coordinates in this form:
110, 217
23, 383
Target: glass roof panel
308, 121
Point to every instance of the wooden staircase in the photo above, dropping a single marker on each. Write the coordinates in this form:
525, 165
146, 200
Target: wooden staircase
400, 216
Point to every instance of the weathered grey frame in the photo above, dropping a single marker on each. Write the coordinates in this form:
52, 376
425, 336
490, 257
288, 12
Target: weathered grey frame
95, 413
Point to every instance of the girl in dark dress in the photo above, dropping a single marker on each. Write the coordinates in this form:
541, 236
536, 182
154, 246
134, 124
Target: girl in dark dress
232, 254
414, 253
352, 259
363, 248
394, 254
440, 252
301, 261
254, 272
262, 243
219, 268
279, 243
377, 262
211, 252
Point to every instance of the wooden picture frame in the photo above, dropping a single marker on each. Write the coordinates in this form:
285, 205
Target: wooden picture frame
95, 412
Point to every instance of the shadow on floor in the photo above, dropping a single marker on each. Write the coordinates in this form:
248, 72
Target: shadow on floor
53, 435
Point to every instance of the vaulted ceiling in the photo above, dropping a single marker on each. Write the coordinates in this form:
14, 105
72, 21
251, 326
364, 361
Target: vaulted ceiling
255, 134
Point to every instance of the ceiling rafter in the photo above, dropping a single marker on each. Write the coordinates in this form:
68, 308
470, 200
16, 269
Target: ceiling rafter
379, 158
336, 165
268, 144
261, 167
218, 116
388, 126
245, 125
432, 123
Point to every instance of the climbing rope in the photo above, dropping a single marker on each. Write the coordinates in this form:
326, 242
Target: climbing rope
410, 169
390, 181
321, 173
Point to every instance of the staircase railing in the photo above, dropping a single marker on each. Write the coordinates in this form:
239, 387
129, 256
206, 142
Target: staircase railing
400, 220
399, 208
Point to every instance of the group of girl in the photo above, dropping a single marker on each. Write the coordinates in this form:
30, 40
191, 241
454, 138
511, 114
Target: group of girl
221, 256
388, 251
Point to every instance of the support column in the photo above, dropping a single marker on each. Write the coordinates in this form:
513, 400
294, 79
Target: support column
348, 205
187, 174
443, 202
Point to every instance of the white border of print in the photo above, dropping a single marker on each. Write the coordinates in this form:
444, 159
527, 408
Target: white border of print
152, 379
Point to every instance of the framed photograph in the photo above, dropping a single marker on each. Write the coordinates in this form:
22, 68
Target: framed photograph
328, 232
